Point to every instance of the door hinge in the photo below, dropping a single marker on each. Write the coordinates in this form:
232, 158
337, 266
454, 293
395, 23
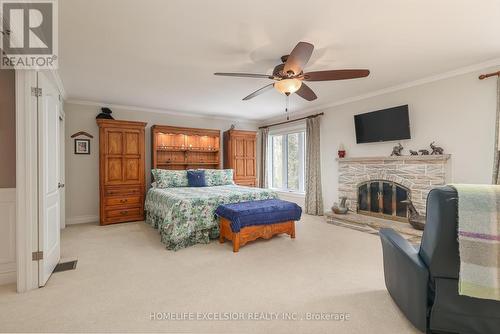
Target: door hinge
37, 256
36, 92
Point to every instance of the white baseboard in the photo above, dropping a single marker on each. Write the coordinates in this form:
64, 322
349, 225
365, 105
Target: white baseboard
82, 219
8, 277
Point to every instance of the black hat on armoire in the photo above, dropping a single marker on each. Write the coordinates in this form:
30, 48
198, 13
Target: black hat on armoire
105, 114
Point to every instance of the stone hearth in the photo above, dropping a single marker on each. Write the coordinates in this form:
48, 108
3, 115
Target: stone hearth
417, 173
373, 225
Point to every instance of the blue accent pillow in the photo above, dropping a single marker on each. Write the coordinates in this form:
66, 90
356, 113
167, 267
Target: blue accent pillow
196, 178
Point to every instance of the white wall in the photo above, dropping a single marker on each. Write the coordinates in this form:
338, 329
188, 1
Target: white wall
458, 113
82, 171
7, 176
7, 128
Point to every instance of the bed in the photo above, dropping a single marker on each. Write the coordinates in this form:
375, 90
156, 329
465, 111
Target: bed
185, 216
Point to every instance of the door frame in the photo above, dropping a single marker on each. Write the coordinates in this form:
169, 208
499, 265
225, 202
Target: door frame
27, 177
26, 180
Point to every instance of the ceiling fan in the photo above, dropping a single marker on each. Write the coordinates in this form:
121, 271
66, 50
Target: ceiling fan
289, 76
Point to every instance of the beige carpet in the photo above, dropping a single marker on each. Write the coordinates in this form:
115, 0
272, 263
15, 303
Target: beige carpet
124, 274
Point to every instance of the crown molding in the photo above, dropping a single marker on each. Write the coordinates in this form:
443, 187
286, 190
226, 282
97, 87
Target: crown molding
300, 113
410, 84
126, 108
392, 89
59, 83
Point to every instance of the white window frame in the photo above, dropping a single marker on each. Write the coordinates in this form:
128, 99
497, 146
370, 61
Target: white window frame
299, 127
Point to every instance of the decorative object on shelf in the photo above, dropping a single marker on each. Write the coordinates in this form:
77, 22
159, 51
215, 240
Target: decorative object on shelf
82, 146
232, 127
341, 151
82, 133
341, 208
105, 114
436, 150
424, 152
416, 219
396, 150
413, 152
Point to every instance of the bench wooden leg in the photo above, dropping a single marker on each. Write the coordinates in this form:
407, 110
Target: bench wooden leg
292, 234
221, 233
236, 242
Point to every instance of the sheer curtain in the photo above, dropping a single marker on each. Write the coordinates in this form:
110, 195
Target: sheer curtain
314, 197
496, 176
264, 139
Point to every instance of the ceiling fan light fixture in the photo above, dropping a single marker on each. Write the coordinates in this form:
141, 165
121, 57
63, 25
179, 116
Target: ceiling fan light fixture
288, 86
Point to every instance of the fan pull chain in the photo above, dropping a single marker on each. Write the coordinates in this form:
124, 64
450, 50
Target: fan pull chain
286, 108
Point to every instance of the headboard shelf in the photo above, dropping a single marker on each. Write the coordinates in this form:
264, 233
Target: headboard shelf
202, 150
185, 148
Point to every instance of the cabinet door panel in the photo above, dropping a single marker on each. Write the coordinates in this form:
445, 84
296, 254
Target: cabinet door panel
239, 147
250, 168
239, 167
131, 142
113, 170
114, 142
132, 170
250, 148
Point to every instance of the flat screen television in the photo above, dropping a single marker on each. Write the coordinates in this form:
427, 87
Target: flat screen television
383, 125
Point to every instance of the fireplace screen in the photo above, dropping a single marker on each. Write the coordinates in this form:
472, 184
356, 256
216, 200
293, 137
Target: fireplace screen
383, 199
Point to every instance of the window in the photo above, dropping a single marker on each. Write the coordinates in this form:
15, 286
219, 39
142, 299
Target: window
287, 161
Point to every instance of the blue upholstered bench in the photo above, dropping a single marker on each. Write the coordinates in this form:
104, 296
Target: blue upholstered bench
248, 221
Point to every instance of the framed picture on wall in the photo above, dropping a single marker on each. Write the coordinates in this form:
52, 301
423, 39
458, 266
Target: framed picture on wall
82, 146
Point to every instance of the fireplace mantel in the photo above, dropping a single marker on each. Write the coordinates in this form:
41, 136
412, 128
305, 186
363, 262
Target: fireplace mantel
431, 158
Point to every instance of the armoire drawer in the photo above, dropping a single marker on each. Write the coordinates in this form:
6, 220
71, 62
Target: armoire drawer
122, 190
123, 200
247, 183
124, 213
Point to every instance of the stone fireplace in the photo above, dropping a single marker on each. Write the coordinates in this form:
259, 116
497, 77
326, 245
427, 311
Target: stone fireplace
376, 186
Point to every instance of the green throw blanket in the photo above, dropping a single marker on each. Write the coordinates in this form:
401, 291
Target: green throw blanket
479, 240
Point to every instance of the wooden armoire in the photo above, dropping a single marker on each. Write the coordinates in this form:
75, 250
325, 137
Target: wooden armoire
121, 171
240, 154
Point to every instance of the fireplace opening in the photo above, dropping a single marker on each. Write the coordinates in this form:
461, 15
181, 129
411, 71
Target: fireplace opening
381, 198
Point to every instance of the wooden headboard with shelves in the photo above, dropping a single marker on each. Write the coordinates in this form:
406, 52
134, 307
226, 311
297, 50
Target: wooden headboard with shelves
184, 148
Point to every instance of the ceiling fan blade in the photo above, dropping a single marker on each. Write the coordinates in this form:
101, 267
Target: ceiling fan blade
299, 57
258, 92
245, 75
306, 93
335, 75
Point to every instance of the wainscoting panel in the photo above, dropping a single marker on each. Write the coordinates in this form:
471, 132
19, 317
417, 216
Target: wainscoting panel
7, 236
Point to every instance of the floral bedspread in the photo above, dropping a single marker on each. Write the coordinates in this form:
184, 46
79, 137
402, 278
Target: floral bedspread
185, 216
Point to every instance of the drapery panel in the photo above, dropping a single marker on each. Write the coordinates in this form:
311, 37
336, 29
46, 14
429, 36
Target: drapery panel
314, 197
496, 175
264, 139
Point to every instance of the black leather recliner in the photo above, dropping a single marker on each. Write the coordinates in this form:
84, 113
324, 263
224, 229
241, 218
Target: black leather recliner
424, 281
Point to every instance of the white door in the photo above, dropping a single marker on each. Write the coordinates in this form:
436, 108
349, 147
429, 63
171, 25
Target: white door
49, 141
